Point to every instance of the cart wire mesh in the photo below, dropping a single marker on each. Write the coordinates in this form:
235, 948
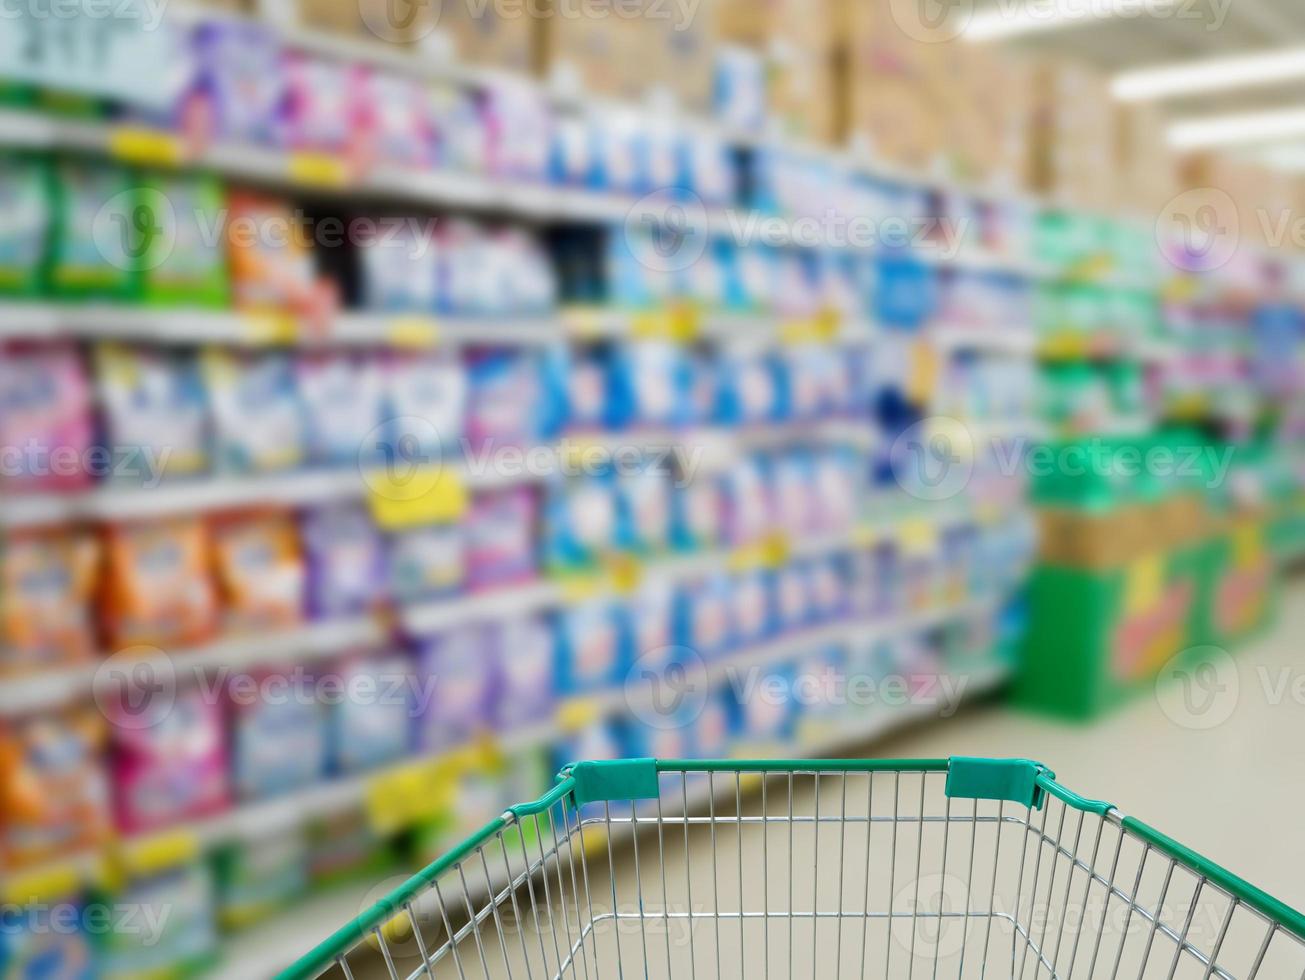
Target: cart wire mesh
947, 868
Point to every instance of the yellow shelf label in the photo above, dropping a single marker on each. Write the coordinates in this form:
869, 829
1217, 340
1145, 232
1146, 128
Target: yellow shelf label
318, 170
679, 322
1247, 544
270, 329
416, 332
583, 322
146, 147
1144, 583
416, 496
408, 794
624, 572
46, 884
922, 374
158, 852
917, 535
580, 586
576, 714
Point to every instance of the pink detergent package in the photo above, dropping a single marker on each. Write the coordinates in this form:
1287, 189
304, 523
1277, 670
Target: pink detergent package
45, 418
501, 538
169, 758
324, 103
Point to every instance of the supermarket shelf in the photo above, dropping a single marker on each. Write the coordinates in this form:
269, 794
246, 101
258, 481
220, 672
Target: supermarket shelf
191, 326
262, 951
315, 641
1005, 340
309, 487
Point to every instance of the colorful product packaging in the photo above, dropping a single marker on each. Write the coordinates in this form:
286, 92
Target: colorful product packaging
457, 683
52, 784
426, 562
45, 418
344, 559
501, 533
257, 417
342, 395
47, 593
371, 720
278, 732
26, 192
259, 570
259, 874
157, 587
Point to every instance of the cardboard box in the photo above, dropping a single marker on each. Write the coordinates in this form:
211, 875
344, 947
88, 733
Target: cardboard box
383, 21
490, 35
805, 26
1072, 140
1078, 538
626, 57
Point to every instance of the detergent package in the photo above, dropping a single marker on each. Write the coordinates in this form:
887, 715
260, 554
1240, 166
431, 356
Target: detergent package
370, 724
425, 409
181, 900
31, 950
500, 538
52, 785
589, 647
183, 262
25, 199
260, 873
344, 559
47, 591
238, 72
259, 570
45, 413
95, 240
426, 562
158, 589
525, 649
278, 732
644, 511
342, 395
457, 682
155, 415
323, 108
581, 523
169, 759
257, 417
703, 620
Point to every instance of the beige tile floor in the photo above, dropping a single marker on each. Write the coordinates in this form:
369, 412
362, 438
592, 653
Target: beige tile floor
1218, 764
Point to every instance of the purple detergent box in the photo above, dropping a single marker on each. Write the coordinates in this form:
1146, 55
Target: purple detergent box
500, 538
456, 683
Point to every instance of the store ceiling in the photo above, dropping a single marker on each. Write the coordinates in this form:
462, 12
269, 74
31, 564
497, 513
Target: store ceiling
1188, 30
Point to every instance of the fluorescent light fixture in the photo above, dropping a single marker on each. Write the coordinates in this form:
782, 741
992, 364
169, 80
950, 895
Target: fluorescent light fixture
1005, 19
1209, 75
1289, 157
1249, 127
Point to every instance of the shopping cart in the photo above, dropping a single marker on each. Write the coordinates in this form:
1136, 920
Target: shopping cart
933, 868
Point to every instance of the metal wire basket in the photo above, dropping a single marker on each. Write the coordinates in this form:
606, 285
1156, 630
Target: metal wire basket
938, 868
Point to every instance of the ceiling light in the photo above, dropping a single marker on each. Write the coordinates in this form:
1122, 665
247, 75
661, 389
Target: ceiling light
1214, 74
1004, 20
1250, 127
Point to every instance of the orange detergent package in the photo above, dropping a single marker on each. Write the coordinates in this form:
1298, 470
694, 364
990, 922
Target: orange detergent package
54, 798
269, 258
158, 588
260, 569
47, 593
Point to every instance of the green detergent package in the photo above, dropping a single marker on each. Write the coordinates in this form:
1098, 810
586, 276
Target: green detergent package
25, 200
101, 235
184, 259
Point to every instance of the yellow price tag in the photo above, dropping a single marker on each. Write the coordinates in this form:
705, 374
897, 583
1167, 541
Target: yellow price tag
413, 332
917, 535
625, 572
157, 852
47, 884
318, 170
1144, 583
775, 550
1247, 544
684, 323
745, 557
416, 496
576, 714
146, 147
580, 586
922, 375
408, 794
269, 329
1065, 345
583, 322
867, 535
650, 325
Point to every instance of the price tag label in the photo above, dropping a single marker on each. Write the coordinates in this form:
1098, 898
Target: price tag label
121, 50
917, 535
146, 147
158, 852
414, 496
922, 372
578, 713
49, 884
624, 572
413, 332
408, 794
270, 329
318, 170
583, 322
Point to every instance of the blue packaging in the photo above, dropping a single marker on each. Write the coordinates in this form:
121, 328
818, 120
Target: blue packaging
344, 559
31, 950
278, 739
704, 616
589, 648
644, 500
507, 403
457, 683
754, 613
794, 603
793, 492
739, 92
370, 723
649, 381
747, 499
751, 387
696, 514
830, 594
426, 562
763, 716
649, 620
425, 407
581, 522
714, 728
907, 293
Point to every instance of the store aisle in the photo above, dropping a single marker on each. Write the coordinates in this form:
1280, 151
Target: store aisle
1233, 789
